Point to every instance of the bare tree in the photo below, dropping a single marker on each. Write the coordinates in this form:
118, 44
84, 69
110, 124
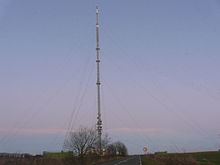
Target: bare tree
117, 148
105, 141
121, 148
111, 149
81, 142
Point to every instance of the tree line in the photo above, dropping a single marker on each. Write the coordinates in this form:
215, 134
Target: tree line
84, 142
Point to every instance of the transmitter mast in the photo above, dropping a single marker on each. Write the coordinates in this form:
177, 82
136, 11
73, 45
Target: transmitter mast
98, 83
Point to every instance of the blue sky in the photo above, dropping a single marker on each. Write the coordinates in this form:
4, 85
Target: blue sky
160, 73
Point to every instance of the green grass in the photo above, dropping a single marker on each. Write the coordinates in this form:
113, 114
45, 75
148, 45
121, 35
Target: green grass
200, 158
148, 161
211, 157
56, 154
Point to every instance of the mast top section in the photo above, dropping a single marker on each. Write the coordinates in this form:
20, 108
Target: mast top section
97, 9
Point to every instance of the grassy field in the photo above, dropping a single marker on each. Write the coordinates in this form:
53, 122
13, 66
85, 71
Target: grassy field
200, 158
57, 154
54, 159
207, 157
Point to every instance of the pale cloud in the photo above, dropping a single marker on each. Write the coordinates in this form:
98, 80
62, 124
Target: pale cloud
133, 130
63, 131
32, 131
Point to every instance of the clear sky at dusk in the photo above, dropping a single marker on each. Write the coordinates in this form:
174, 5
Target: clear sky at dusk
160, 73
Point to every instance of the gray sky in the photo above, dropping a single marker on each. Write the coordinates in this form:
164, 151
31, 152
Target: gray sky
160, 73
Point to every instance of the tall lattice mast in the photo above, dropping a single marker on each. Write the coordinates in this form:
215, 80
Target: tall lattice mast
98, 83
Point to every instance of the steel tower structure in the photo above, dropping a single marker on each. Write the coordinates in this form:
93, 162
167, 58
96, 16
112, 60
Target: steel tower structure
98, 83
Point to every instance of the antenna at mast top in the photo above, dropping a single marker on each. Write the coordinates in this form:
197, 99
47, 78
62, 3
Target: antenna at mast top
97, 8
